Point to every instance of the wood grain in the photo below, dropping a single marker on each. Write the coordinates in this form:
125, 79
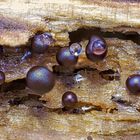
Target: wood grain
27, 17
20, 20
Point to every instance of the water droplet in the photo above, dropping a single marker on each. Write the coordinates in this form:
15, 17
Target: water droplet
75, 49
98, 47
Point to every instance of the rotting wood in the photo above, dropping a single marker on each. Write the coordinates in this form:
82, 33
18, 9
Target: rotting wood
20, 20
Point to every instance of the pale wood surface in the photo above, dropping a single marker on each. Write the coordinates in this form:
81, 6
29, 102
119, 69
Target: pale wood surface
59, 17
22, 19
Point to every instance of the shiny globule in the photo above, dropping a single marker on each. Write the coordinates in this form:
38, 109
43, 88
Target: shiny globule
40, 79
69, 99
65, 58
133, 83
41, 42
96, 49
75, 49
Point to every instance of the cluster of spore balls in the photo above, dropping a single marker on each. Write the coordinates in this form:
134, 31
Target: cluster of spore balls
41, 80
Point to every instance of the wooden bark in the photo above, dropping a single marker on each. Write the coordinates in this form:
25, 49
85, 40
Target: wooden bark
21, 19
23, 117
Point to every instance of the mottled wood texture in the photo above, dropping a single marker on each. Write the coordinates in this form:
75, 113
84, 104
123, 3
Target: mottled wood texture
20, 20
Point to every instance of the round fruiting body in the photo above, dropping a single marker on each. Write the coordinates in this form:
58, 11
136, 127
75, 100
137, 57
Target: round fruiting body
65, 58
40, 79
96, 50
69, 99
133, 83
41, 42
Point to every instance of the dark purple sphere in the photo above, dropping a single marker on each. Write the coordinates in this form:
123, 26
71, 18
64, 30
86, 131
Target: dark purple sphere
40, 79
133, 83
65, 58
2, 77
69, 99
96, 49
41, 42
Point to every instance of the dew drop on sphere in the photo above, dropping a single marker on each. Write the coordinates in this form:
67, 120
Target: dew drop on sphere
75, 49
